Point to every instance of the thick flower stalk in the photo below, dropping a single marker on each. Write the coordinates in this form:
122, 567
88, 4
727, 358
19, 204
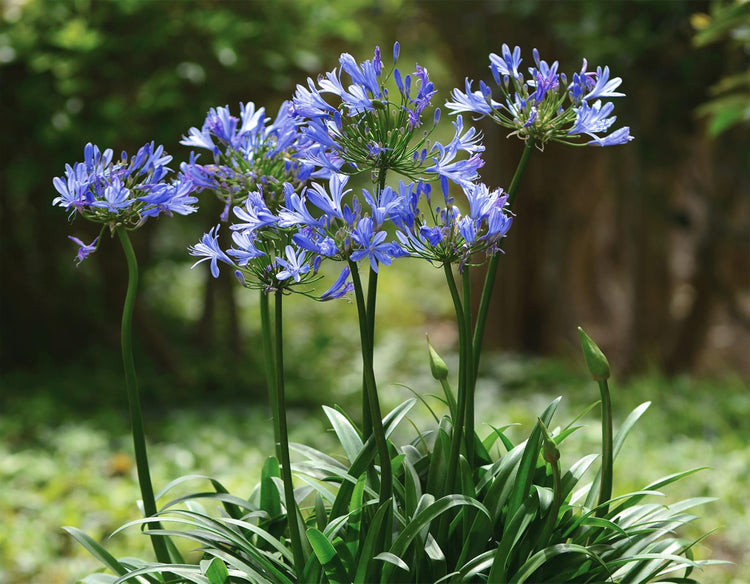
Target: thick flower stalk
121, 195
544, 105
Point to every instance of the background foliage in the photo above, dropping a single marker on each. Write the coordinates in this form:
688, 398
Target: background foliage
645, 246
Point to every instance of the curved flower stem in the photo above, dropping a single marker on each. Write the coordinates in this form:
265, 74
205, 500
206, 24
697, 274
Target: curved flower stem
489, 280
370, 386
605, 484
134, 402
273, 345
463, 345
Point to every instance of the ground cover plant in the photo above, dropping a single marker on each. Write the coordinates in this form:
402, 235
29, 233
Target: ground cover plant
445, 504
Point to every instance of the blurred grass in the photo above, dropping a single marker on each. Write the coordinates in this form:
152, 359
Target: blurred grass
60, 467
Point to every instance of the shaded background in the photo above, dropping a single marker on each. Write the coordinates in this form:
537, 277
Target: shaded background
646, 245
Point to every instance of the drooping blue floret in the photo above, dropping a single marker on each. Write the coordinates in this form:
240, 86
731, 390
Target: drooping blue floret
340, 287
84, 250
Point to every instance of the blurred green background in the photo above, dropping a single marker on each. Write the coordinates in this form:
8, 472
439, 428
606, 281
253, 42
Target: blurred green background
647, 246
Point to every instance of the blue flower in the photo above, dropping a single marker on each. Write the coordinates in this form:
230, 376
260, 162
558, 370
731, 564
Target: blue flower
329, 201
244, 247
208, 249
365, 131
293, 264
249, 153
122, 192
604, 86
620, 136
169, 198
254, 215
507, 65
469, 101
371, 244
84, 250
340, 287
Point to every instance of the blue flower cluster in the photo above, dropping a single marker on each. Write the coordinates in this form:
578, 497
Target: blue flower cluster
349, 125
365, 130
122, 192
249, 153
286, 181
545, 106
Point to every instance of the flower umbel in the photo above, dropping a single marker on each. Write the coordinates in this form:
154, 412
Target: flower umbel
545, 106
250, 154
124, 192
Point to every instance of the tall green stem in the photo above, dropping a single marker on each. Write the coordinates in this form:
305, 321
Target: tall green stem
372, 290
489, 281
469, 368
370, 386
134, 401
605, 484
273, 345
463, 363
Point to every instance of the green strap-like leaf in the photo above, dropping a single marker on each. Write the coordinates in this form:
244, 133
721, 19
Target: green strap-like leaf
96, 550
346, 432
215, 570
543, 556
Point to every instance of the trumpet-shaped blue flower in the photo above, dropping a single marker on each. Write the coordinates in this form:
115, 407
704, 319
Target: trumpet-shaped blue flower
367, 130
293, 264
372, 245
447, 235
340, 287
84, 250
208, 250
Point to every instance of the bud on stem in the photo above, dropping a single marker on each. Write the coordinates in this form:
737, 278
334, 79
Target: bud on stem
595, 359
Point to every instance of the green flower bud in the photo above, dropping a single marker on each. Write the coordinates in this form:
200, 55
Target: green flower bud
595, 359
549, 450
438, 368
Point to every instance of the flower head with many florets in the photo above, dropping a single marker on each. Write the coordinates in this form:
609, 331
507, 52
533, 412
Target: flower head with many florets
544, 105
122, 192
362, 118
264, 252
445, 234
250, 153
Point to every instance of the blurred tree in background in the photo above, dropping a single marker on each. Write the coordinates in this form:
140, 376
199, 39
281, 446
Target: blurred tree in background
645, 245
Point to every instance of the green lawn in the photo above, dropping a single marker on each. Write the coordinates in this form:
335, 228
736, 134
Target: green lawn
61, 468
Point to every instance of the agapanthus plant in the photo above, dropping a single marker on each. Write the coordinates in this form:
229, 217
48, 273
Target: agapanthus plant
121, 195
545, 105
443, 507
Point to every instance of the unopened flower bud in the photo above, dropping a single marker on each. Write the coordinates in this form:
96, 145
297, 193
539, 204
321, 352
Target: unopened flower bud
438, 368
595, 359
549, 449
